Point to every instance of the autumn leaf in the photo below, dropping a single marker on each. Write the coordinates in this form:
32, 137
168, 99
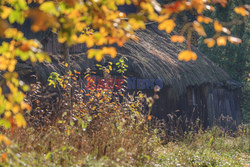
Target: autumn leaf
217, 26
3, 64
198, 5
49, 7
223, 3
136, 24
222, 41
20, 121
210, 42
10, 32
24, 47
109, 50
5, 12
241, 11
149, 117
187, 55
98, 56
176, 38
205, 20
4, 157
5, 140
167, 25
7, 114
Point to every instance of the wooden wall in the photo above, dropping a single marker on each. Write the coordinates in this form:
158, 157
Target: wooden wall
209, 104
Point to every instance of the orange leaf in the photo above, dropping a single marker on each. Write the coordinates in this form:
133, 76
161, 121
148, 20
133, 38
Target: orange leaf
210, 42
167, 25
221, 41
24, 47
207, 20
200, 19
217, 26
223, 3
176, 38
241, 11
187, 55
4, 157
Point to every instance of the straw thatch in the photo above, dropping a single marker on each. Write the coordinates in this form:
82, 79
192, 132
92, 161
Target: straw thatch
155, 56
152, 56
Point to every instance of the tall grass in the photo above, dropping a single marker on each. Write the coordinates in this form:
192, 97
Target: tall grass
102, 127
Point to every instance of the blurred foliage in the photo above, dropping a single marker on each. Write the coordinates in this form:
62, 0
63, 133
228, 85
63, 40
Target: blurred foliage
232, 58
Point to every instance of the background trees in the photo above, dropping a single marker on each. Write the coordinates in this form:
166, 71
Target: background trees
233, 58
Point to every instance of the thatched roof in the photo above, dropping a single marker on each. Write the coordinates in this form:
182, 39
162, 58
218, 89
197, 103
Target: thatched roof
155, 56
152, 56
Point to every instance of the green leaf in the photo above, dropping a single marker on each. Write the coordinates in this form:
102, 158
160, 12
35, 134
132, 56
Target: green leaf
49, 7
13, 16
6, 124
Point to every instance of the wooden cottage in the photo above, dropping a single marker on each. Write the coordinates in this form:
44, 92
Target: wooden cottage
197, 89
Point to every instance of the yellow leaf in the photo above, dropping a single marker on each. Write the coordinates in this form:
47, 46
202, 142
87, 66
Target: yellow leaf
167, 25
5, 140
199, 28
20, 121
210, 42
15, 109
109, 50
8, 105
12, 65
3, 63
90, 42
7, 114
221, 41
62, 38
98, 56
217, 26
136, 24
5, 12
91, 53
49, 7
187, 55
10, 32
